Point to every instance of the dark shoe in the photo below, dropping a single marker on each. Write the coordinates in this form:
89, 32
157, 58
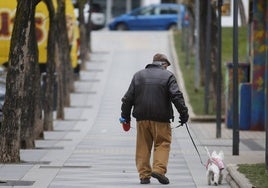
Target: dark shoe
145, 181
161, 178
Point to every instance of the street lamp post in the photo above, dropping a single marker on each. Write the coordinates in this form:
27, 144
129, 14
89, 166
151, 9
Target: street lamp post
235, 82
266, 98
207, 61
197, 57
219, 72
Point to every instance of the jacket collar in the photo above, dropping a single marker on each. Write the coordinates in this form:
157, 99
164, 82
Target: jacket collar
155, 65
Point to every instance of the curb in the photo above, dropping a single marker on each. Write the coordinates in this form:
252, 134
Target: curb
236, 179
206, 118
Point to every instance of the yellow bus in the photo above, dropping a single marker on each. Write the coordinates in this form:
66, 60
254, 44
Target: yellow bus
7, 15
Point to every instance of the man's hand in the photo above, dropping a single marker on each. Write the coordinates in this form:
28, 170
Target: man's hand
125, 124
184, 118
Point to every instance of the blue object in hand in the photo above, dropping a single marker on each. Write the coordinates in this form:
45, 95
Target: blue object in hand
122, 120
125, 124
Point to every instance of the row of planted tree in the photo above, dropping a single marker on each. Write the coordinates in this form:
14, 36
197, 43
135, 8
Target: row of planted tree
25, 115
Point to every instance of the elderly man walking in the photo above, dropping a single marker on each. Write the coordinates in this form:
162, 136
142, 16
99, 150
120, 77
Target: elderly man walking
151, 94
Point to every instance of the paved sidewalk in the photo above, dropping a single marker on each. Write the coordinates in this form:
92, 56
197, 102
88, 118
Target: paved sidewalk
90, 149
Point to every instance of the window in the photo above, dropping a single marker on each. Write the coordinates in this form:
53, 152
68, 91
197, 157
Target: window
226, 8
165, 10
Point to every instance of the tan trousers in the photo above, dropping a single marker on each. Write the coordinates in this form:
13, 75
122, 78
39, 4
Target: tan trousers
157, 135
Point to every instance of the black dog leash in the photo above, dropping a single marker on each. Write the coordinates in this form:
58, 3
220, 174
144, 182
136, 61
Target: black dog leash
192, 142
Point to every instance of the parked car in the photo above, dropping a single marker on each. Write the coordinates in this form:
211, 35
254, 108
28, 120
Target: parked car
164, 16
97, 15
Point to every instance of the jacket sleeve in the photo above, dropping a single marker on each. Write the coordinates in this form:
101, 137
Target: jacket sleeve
177, 96
128, 102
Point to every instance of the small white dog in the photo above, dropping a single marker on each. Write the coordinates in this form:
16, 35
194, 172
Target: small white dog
214, 167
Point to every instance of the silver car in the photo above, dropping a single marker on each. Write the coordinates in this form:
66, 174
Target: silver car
97, 16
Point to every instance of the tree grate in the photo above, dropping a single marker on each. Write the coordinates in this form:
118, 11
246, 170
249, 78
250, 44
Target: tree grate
66, 130
76, 120
94, 70
86, 92
57, 139
96, 61
51, 148
16, 183
89, 80
100, 52
66, 166
80, 106
35, 162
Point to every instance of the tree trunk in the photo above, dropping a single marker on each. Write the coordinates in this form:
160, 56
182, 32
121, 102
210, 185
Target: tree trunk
37, 108
213, 59
213, 47
64, 49
89, 27
31, 124
50, 73
202, 34
23, 56
242, 13
83, 35
60, 105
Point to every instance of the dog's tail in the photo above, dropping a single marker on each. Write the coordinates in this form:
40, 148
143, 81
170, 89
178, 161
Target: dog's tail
209, 156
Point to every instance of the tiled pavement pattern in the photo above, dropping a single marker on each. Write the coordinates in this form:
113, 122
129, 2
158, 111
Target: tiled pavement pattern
90, 149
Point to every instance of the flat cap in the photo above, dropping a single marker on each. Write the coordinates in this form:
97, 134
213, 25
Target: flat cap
161, 57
